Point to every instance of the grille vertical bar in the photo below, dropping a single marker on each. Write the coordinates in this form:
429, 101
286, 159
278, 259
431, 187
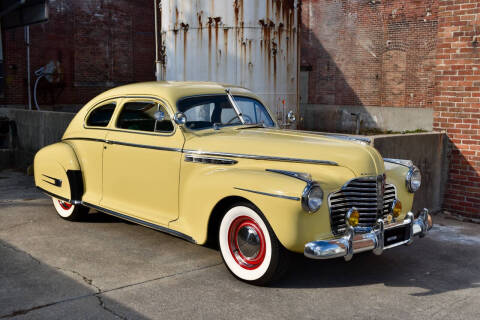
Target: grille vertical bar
363, 194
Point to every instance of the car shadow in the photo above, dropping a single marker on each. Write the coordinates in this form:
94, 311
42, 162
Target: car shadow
427, 264
95, 216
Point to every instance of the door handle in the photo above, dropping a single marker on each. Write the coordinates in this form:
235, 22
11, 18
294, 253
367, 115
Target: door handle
108, 141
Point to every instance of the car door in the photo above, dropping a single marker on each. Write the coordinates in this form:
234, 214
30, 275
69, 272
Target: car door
141, 162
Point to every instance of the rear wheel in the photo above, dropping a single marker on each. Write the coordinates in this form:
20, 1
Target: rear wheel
249, 247
69, 211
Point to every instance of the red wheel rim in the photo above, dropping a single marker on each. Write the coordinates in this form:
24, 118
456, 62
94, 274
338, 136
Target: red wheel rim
65, 205
237, 228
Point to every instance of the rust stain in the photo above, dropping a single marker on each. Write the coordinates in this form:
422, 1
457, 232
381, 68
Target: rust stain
200, 28
185, 27
209, 25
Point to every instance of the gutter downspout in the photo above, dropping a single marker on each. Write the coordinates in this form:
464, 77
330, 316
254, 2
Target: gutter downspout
29, 89
158, 73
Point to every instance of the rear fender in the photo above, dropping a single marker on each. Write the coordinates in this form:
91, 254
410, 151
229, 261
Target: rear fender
57, 172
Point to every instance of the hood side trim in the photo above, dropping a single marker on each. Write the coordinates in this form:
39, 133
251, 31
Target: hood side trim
259, 157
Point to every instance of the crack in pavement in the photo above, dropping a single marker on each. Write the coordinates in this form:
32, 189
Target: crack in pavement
20, 251
99, 291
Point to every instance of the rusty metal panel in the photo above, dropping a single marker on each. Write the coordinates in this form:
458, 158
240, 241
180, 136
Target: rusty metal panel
249, 43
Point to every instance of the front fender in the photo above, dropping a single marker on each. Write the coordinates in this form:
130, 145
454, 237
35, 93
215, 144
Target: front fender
57, 171
276, 195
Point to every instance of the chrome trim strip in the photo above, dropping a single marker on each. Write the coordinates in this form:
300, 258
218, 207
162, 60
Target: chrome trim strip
123, 216
209, 160
128, 144
405, 163
269, 194
59, 197
213, 154
340, 136
141, 222
297, 175
143, 146
257, 157
56, 182
84, 139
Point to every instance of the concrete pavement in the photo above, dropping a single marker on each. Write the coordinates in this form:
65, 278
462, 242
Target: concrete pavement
107, 268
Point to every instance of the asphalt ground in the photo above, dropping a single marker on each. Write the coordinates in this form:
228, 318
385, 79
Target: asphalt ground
106, 268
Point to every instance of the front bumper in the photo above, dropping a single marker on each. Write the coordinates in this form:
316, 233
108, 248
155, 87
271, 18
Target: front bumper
361, 239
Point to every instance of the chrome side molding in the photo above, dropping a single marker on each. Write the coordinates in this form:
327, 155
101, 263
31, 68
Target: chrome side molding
209, 160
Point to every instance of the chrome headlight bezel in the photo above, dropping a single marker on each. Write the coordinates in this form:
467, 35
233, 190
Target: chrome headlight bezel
413, 175
308, 203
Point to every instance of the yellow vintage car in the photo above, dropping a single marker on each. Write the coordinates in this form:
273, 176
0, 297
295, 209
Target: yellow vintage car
207, 162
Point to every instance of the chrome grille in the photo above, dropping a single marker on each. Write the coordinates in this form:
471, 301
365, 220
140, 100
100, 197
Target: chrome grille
363, 194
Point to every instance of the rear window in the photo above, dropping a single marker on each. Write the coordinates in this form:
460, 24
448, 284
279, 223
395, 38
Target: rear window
100, 117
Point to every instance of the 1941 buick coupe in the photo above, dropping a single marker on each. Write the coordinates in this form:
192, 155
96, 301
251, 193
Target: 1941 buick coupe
208, 163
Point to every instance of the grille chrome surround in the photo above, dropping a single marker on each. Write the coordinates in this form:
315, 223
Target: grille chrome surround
365, 194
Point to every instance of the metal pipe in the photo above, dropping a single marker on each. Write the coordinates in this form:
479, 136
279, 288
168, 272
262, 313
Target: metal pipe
157, 62
29, 90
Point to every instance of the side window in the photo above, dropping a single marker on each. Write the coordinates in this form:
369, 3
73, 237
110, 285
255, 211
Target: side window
100, 117
146, 116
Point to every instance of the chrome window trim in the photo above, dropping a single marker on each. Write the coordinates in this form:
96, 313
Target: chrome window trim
99, 105
119, 101
269, 194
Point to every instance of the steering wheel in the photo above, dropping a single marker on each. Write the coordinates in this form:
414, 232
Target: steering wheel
246, 117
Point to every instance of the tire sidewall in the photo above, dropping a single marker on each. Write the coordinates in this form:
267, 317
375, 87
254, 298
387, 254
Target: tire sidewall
239, 271
61, 211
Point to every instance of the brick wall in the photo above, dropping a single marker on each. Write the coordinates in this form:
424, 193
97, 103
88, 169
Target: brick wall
97, 44
369, 52
457, 104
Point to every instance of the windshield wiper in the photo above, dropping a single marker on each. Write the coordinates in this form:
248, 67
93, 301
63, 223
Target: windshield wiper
251, 126
235, 106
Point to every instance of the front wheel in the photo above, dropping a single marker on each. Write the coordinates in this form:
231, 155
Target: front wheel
69, 211
249, 247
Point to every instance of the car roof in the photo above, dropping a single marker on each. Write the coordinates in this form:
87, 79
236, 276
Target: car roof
173, 90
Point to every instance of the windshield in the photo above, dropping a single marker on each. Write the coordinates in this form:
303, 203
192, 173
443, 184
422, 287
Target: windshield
204, 112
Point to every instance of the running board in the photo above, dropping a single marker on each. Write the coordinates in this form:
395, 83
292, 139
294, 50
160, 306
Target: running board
124, 217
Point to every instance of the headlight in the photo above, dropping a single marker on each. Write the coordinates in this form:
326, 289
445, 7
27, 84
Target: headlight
414, 179
312, 197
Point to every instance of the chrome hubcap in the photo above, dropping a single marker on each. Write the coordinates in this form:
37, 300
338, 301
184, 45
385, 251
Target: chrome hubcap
249, 242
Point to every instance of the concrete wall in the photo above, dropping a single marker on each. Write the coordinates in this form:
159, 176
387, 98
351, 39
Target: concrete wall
429, 152
339, 118
35, 129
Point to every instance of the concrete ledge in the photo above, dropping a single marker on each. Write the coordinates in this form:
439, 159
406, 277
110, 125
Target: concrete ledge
35, 129
335, 118
428, 151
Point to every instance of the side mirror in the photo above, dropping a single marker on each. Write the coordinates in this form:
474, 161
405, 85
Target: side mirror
291, 117
180, 118
159, 115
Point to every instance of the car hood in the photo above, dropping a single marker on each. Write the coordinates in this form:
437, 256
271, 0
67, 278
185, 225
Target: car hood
360, 158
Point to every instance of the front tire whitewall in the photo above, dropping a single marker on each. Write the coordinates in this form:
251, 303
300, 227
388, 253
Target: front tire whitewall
268, 264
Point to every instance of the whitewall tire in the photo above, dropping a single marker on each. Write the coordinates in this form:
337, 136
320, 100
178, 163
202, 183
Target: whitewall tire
69, 211
249, 247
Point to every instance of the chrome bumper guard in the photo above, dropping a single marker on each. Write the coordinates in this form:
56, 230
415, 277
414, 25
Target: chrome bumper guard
359, 239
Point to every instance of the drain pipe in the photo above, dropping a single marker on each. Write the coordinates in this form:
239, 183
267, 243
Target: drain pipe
29, 90
158, 73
